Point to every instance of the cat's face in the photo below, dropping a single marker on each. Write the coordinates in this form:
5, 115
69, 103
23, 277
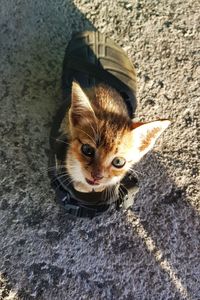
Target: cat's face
99, 164
104, 145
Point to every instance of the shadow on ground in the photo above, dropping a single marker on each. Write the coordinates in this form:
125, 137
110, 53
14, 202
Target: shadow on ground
150, 252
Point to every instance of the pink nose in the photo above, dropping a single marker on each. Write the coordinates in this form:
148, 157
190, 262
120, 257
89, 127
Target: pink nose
96, 175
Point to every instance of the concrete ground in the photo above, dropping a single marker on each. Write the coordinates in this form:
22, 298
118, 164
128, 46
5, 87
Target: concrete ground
151, 252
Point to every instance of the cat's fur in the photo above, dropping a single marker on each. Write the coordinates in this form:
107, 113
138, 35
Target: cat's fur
98, 117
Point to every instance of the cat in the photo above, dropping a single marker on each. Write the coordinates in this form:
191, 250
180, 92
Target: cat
104, 142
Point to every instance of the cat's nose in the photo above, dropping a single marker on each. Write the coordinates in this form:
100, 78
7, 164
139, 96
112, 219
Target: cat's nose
96, 175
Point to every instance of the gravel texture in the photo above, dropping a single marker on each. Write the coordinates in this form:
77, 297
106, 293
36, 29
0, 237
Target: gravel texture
151, 252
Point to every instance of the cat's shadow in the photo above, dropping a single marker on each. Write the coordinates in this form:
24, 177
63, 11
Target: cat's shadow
168, 224
158, 230
161, 223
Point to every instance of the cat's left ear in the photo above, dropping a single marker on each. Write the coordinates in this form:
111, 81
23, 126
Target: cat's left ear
80, 101
81, 110
145, 136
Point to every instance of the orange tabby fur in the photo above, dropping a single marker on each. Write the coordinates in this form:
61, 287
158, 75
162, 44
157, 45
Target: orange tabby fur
99, 117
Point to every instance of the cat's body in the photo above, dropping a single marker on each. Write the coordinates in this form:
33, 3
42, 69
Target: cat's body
103, 140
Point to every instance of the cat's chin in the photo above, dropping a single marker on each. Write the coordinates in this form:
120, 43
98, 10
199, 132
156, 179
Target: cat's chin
91, 182
86, 188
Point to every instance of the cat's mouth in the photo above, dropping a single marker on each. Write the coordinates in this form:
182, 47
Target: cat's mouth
92, 182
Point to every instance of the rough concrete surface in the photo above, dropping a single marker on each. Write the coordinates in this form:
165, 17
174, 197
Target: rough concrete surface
151, 252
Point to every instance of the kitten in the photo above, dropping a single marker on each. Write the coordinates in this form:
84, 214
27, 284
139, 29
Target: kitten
104, 142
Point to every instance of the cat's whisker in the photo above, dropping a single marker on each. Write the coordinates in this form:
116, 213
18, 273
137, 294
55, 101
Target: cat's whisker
114, 195
68, 182
136, 172
58, 186
60, 177
56, 139
111, 196
55, 167
61, 174
106, 193
46, 170
58, 172
116, 191
59, 167
120, 192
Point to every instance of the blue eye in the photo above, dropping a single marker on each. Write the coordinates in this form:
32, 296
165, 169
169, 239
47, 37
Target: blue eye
87, 150
118, 162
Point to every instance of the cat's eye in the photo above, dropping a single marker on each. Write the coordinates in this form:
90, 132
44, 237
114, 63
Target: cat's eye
118, 162
87, 150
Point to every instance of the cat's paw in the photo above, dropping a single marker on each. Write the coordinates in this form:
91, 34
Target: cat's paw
80, 187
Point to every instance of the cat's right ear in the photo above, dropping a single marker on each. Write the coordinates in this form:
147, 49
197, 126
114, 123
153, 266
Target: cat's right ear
145, 136
81, 109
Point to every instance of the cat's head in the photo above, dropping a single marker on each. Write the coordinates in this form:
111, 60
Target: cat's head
105, 142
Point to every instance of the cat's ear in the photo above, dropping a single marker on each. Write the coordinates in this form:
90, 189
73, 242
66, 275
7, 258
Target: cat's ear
145, 136
80, 105
81, 109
